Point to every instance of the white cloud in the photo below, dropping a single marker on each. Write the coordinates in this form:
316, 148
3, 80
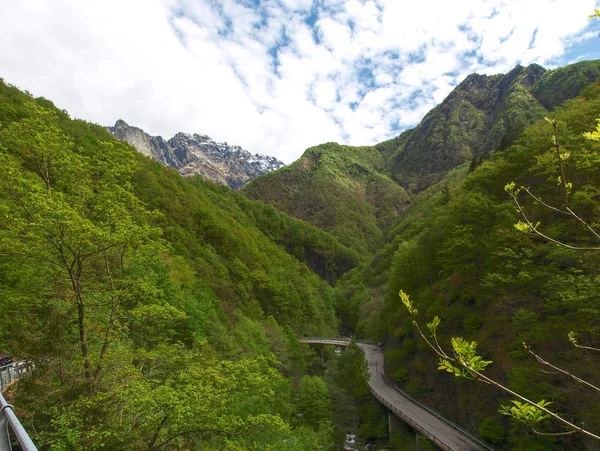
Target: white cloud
383, 78
297, 5
263, 77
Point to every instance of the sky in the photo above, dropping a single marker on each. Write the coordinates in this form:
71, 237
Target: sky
277, 76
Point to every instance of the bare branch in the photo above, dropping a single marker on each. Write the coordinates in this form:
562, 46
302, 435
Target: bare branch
554, 434
584, 223
539, 199
534, 229
34, 257
560, 370
563, 179
532, 403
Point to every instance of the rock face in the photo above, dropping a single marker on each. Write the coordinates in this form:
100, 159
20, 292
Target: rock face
199, 155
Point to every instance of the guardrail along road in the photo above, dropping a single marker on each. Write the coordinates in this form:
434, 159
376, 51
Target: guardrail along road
441, 431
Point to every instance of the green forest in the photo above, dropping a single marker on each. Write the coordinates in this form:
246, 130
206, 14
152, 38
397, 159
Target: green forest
164, 312
161, 312
459, 256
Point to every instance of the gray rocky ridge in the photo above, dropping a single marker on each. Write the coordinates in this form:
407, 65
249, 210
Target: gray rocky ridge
198, 155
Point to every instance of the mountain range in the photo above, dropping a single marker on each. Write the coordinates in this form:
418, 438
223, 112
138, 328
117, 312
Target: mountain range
356, 193
180, 300
198, 155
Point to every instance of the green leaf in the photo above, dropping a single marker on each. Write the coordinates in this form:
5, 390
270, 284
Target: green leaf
408, 303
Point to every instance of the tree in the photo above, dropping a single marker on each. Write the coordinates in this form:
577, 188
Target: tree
464, 361
80, 219
312, 401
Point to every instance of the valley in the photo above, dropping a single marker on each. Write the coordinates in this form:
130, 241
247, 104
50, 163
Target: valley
163, 288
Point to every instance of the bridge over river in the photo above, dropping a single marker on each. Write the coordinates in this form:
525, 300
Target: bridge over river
445, 434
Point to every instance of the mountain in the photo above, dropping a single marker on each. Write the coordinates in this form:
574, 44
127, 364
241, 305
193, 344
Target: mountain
457, 253
356, 193
176, 298
198, 155
341, 189
166, 308
482, 114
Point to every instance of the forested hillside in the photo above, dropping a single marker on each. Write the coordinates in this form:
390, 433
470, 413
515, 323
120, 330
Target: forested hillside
161, 312
357, 193
338, 188
482, 114
458, 255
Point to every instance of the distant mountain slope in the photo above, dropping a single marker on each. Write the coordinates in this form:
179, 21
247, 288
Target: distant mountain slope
198, 155
484, 113
357, 192
457, 253
341, 189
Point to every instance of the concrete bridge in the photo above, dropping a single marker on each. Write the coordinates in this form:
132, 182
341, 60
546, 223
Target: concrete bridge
445, 434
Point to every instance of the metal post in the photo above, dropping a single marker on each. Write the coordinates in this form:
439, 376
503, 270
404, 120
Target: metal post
4, 436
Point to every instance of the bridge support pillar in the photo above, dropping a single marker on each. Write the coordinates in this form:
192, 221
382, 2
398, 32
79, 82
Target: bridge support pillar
323, 354
396, 424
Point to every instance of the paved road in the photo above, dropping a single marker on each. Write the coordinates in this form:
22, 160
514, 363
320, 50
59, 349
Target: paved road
442, 433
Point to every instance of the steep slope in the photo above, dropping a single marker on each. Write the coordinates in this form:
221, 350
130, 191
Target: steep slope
198, 155
164, 307
457, 253
338, 188
482, 114
357, 192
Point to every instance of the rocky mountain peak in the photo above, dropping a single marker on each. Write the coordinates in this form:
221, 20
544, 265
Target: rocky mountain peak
483, 114
197, 154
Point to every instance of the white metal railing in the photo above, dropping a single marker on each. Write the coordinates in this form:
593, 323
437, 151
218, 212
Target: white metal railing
13, 371
444, 419
11, 430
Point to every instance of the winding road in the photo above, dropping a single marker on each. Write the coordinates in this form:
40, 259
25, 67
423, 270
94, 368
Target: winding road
442, 432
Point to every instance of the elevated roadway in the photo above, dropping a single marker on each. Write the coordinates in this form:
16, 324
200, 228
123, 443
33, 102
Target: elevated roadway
445, 434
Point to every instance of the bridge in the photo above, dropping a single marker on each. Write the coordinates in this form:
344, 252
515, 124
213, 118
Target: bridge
445, 434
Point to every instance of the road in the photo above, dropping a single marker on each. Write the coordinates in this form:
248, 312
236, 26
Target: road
443, 433
439, 431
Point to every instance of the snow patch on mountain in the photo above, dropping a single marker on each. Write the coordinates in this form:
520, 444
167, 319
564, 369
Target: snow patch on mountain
199, 155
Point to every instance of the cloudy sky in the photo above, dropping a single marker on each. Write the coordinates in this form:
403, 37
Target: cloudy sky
277, 76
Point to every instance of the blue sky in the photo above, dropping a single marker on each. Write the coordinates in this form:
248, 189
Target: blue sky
278, 76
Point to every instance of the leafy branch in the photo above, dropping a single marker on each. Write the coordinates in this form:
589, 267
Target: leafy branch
464, 362
594, 135
527, 225
573, 340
